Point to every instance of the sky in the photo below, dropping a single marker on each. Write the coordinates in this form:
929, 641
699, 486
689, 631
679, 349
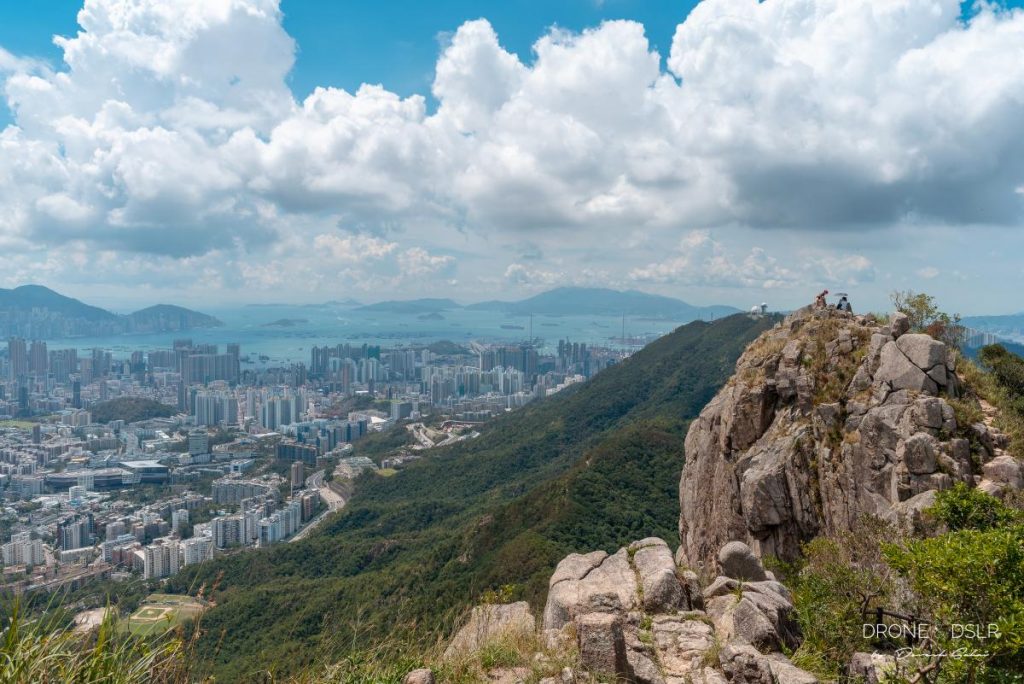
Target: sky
731, 151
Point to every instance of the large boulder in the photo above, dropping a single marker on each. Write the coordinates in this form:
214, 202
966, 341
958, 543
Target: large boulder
899, 372
919, 453
923, 351
757, 613
490, 623
1004, 470
737, 561
594, 582
899, 324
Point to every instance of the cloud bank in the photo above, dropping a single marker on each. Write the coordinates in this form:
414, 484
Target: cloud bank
169, 139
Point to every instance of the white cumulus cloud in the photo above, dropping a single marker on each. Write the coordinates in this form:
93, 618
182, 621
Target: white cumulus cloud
169, 130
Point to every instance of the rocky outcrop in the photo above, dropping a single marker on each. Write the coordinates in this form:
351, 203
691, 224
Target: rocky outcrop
828, 417
635, 616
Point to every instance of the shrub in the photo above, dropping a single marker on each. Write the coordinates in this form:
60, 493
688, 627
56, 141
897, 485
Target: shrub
841, 579
965, 508
925, 317
971, 577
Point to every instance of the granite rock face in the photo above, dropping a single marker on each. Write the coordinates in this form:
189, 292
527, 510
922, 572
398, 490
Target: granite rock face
828, 417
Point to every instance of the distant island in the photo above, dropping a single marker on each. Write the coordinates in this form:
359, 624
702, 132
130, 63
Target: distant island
412, 306
35, 311
286, 322
432, 316
167, 318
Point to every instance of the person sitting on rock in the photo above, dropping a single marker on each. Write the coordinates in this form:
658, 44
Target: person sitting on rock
843, 305
819, 301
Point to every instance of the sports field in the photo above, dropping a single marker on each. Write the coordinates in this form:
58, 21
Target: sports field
161, 612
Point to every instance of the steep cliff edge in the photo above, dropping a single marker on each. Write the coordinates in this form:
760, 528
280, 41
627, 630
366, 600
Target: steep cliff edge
829, 417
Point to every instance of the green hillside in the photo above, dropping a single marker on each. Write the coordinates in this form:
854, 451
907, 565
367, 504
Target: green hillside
591, 468
130, 410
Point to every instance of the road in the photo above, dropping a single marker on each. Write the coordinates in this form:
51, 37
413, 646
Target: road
330, 497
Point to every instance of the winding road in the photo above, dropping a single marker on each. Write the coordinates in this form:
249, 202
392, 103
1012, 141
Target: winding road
330, 497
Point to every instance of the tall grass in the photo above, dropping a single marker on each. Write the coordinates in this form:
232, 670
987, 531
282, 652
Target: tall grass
387, 659
45, 650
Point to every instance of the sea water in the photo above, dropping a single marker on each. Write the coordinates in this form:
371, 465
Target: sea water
285, 334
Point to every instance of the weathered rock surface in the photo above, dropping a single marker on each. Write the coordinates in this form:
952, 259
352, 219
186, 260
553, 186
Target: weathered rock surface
1004, 471
602, 643
681, 642
592, 583
651, 627
757, 613
656, 570
488, 623
899, 324
744, 664
829, 417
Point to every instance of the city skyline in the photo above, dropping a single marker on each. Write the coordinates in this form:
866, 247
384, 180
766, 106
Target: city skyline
724, 154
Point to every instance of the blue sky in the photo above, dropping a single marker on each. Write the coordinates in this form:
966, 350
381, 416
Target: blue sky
726, 152
346, 43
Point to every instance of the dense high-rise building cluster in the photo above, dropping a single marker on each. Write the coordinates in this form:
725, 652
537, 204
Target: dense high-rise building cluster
149, 460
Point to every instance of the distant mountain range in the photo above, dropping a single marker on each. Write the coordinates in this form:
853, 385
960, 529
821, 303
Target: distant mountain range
565, 301
599, 301
34, 311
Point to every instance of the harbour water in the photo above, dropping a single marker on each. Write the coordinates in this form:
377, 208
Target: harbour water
285, 334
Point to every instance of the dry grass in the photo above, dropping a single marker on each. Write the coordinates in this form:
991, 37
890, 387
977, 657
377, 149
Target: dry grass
832, 379
757, 354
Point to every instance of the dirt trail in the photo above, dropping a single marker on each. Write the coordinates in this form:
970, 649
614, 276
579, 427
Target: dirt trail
990, 412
